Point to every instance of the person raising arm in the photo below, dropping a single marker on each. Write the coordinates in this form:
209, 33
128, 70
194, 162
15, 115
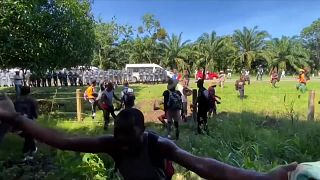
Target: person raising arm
128, 147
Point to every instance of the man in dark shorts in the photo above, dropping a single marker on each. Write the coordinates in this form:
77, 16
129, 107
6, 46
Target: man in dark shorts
172, 106
203, 107
239, 86
135, 151
27, 106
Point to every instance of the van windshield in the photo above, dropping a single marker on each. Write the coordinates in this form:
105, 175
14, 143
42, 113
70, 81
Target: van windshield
139, 69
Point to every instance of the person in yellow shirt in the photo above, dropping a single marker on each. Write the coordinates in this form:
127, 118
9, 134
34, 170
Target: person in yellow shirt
91, 96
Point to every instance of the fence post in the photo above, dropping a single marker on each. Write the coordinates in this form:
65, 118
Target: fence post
79, 104
194, 105
311, 105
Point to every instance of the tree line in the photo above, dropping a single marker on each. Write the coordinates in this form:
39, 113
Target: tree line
49, 34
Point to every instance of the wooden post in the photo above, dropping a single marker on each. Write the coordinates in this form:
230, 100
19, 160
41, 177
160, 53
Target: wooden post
311, 105
79, 104
194, 105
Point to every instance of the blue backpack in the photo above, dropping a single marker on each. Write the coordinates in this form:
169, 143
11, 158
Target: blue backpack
175, 101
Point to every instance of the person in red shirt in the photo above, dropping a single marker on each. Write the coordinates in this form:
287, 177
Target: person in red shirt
274, 78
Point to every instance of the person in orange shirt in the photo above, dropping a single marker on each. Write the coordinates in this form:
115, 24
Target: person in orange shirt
302, 85
91, 96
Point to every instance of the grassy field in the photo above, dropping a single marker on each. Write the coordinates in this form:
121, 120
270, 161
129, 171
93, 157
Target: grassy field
256, 133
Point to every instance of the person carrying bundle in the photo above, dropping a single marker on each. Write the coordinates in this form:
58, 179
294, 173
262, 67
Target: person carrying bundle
302, 81
274, 78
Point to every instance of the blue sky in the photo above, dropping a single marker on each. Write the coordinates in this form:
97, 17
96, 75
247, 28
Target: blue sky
194, 17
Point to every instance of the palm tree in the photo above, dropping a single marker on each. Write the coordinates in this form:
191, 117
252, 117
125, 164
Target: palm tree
250, 43
286, 52
209, 48
228, 54
174, 49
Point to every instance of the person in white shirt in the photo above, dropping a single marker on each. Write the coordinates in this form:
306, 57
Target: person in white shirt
127, 96
8, 79
283, 73
17, 83
107, 99
184, 93
3, 79
28, 74
11, 77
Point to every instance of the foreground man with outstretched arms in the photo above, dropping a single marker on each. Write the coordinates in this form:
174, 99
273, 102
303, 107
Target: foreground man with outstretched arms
132, 154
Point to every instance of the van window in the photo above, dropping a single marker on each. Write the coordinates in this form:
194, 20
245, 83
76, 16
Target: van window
143, 69
133, 69
157, 69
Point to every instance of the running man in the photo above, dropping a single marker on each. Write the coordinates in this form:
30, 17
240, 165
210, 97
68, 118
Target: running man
172, 106
91, 95
302, 81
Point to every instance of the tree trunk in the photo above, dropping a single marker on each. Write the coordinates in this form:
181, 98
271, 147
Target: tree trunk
100, 59
204, 71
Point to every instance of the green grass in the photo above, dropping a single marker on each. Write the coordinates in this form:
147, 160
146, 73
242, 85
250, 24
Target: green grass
256, 133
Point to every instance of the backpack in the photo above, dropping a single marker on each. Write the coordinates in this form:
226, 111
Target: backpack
103, 102
156, 159
175, 101
85, 95
128, 98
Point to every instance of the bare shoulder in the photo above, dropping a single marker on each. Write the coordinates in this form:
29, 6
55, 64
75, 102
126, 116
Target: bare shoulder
167, 146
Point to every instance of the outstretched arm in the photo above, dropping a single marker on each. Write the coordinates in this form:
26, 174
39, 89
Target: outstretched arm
57, 139
212, 169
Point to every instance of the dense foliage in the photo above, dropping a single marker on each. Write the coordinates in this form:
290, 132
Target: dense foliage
45, 34
246, 48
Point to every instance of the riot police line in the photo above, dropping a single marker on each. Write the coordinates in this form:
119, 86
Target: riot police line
82, 77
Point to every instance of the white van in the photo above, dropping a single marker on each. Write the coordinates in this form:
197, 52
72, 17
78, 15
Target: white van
135, 69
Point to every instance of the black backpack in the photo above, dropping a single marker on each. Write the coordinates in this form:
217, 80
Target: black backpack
128, 98
174, 101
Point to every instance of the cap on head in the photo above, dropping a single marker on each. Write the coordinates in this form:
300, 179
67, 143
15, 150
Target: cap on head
172, 83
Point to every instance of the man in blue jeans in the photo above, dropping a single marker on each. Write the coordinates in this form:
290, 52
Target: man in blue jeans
17, 83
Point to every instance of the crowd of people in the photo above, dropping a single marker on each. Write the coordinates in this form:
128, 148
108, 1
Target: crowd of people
139, 154
63, 77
